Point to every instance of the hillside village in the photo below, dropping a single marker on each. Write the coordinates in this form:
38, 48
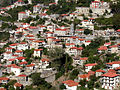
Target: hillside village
59, 45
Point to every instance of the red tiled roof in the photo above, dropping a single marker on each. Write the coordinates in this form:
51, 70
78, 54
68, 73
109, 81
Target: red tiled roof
38, 41
4, 78
18, 51
15, 44
113, 46
91, 72
30, 36
20, 58
57, 40
118, 30
84, 76
32, 27
99, 70
23, 43
110, 74
12, 59
44, 59
81, 39
8, 48
30, 65
38, 49
22, 75
8, 52
68, 44
111, 70
73, 48
84, 58
23, 63
80, 30
80, 48
18, 85
102, 48
70, 83
91, 64
2, 89
114, 62
118, 68
16, 67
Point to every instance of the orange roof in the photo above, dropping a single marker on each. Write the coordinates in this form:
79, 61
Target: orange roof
73, 48
80, 48
30, 36
23, 62
8, 48
112, 70
2, 89
4, 78
118, 30
23, 43
118, 68
30, 65
8, 52
16, 66
110, 74
20, 58
81, 39
58, 29
44, 59
18, 85
91, 72
109, 43
15, 44
114, 62
18, 51
88, 41
22, 75
102, 48
68, 44
74, 37
99, 70
80, 30
12, 59
38, 49
84, 58
57, 40
91, 64
38, 41
70, 83
84, 76
32, 27
113, 46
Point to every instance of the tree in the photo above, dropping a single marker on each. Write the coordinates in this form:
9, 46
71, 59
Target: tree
74, 74
62, 86
87, 31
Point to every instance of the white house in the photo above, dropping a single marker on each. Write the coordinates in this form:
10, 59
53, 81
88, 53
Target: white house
37, 52
99, 72
16, 70
70, 84
110, 80
89, 66
113, 65
22, 15
4, 80
22, 46
44, 63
